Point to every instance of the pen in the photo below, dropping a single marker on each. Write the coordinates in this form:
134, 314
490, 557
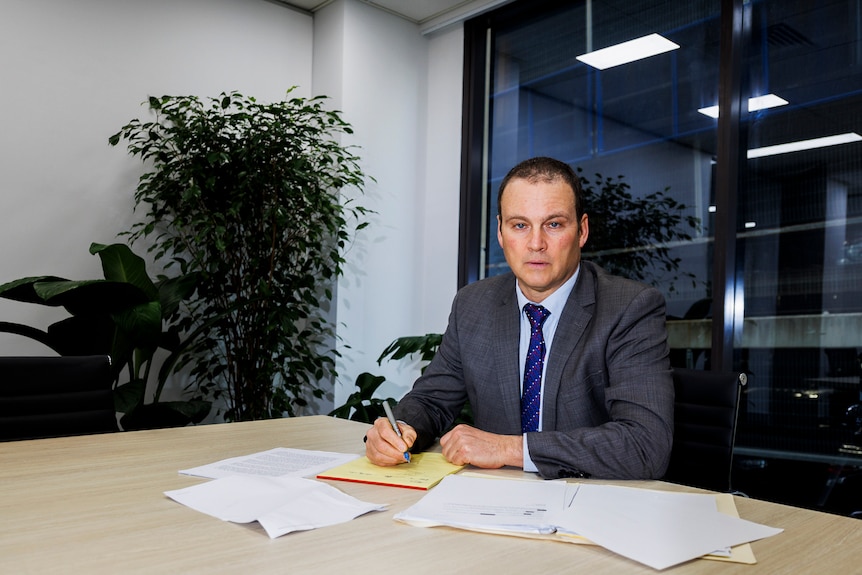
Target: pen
391, 417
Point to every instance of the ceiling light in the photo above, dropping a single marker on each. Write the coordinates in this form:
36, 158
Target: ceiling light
754, 104
626, 52
804, 145
765, 101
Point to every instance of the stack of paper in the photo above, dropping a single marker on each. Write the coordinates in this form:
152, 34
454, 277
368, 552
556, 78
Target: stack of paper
657, 528
267, 487
277, 462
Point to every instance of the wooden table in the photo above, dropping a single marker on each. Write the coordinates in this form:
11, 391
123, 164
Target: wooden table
95, 504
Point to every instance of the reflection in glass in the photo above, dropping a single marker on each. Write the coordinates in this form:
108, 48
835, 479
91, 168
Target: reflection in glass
652, 124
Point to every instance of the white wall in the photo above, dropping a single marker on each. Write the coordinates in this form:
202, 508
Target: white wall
402, 94
73, 73
442, 178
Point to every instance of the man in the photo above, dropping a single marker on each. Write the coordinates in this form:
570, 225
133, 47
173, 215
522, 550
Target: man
592, 364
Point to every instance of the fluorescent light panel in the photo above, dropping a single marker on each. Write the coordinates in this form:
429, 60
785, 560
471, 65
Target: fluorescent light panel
804, 145
630, 51
754, 104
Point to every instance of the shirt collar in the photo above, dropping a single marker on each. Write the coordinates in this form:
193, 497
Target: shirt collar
555, 302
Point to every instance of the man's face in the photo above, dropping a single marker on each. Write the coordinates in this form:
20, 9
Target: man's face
541, 237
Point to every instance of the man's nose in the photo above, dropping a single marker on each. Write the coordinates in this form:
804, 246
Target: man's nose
537, 241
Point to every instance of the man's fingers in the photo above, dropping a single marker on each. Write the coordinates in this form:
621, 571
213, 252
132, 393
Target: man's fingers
384, 447
465, 444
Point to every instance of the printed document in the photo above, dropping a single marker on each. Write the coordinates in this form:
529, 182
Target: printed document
278, 462
491, 504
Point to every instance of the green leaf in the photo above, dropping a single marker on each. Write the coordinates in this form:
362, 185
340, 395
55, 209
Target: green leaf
404, 346
24, 290
129, 396
89, 297
173, 291
142, 323
120, 264
92, 334
368, 384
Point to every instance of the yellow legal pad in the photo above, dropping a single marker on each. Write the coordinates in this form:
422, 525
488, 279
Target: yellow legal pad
424, 471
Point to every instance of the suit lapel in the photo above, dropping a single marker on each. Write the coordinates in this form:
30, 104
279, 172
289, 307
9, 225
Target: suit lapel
576, 316
506, 322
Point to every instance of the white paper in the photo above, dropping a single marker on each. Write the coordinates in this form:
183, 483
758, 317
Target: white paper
278, 462
280, 504
659, 529
478, 503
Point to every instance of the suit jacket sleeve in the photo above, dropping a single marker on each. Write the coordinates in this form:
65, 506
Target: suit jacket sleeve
482, 329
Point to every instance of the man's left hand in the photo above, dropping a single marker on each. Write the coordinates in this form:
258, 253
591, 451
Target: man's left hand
465, 444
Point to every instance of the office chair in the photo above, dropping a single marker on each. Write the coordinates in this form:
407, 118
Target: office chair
55, 396
705, 415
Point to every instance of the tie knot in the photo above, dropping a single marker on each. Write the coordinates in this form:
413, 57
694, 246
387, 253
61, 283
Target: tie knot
536, 314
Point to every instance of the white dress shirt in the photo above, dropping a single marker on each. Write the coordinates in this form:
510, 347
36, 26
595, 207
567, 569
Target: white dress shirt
554, 303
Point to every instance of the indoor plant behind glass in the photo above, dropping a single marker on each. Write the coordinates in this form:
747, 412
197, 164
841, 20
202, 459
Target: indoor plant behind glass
252, 198
632, 236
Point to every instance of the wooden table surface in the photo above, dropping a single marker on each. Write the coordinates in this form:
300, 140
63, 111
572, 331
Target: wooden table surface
96, 504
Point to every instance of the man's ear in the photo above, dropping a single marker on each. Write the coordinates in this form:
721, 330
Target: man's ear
584, 230
499, 231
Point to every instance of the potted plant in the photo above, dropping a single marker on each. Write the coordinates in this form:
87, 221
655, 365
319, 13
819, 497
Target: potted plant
125, 315
253, 199
361, 405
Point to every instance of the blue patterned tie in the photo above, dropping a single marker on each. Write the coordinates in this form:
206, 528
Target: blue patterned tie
531, 398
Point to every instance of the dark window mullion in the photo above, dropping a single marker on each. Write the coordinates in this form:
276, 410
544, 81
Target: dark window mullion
726, 288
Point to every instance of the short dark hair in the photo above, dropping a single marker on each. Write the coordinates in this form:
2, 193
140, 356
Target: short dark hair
543, 169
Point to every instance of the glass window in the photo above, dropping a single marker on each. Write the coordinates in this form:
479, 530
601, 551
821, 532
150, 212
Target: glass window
800, 240
632, 129
644, 136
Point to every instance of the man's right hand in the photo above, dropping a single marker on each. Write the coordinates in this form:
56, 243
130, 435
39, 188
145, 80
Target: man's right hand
384, 447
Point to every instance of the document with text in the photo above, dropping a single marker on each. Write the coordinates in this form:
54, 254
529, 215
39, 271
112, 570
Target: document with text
491, 504
278, 462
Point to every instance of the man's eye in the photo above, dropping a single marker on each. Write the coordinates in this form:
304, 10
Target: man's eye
554, 225
520, 226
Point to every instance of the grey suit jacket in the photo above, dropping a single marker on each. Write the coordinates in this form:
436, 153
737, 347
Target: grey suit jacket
608, 395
